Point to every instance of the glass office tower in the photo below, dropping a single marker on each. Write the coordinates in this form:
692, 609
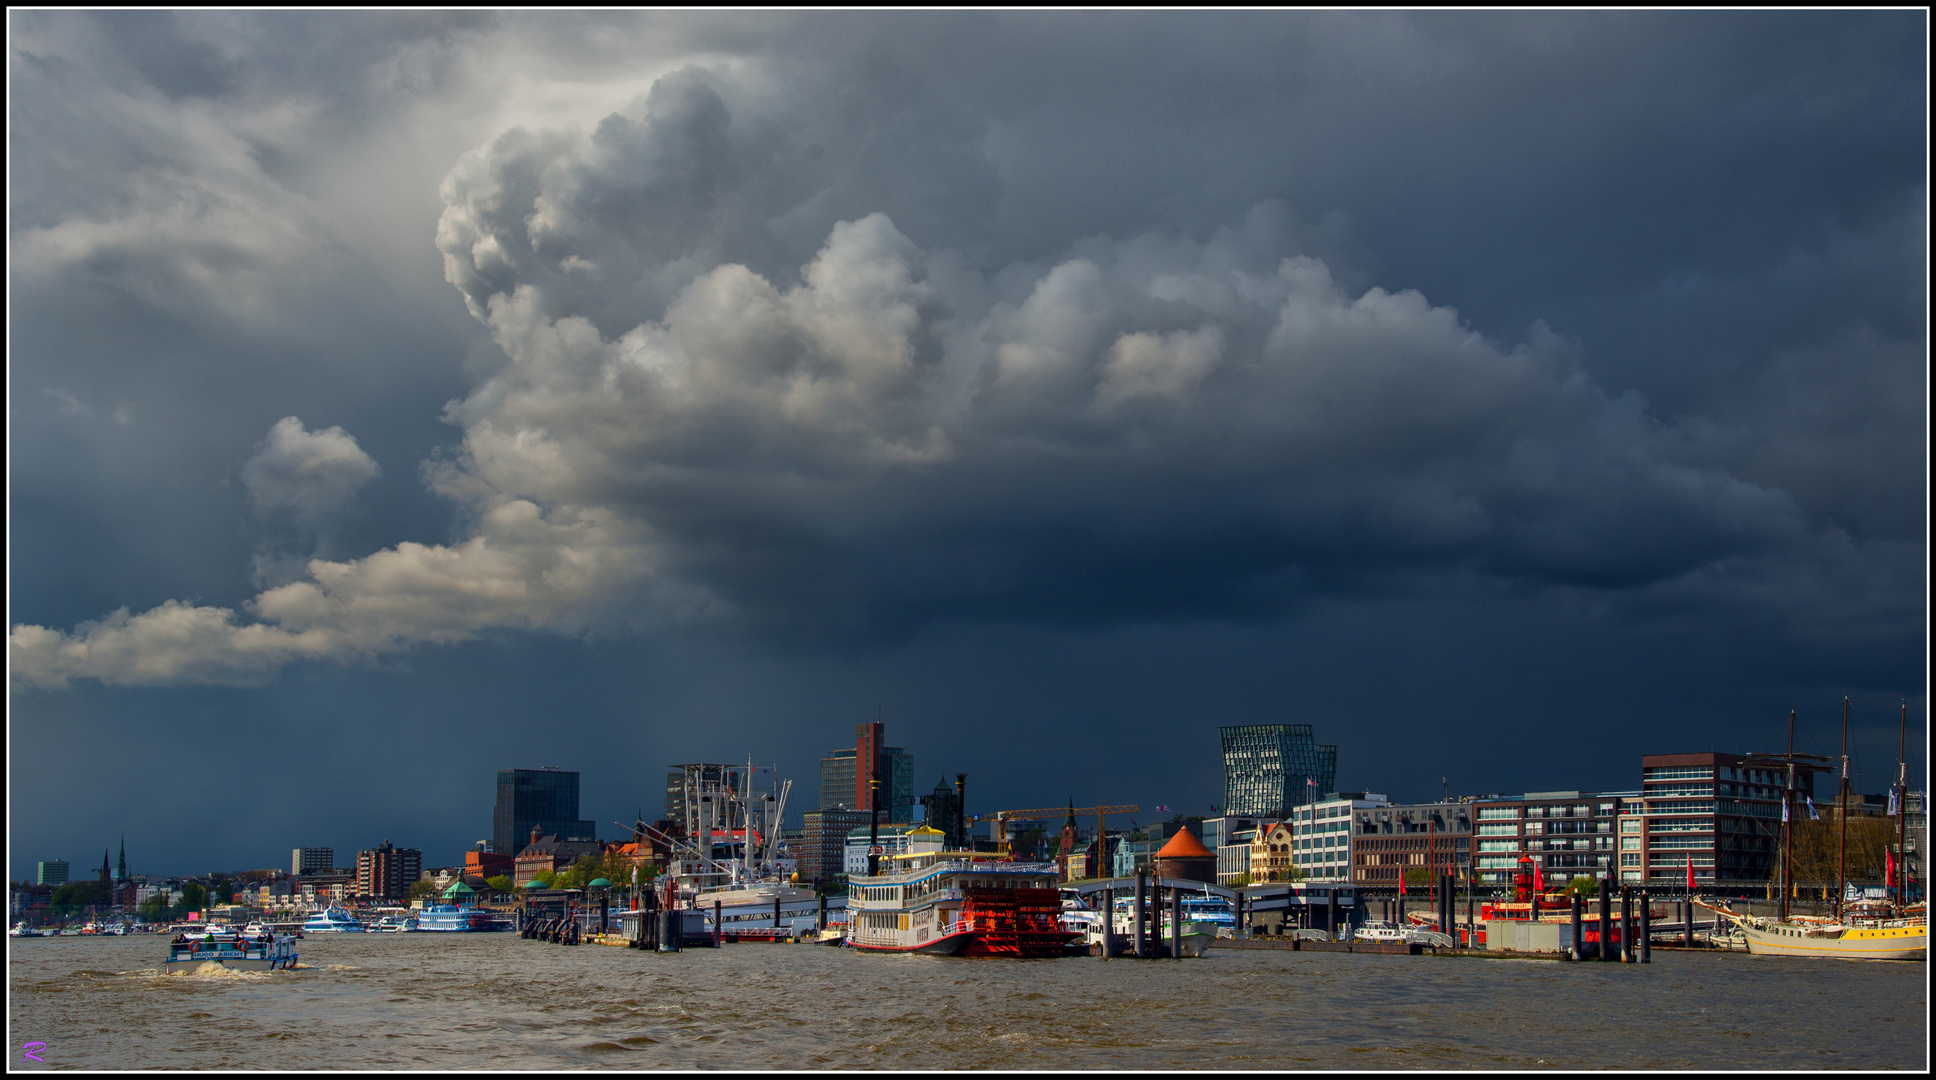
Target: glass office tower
544, 799
1270, 768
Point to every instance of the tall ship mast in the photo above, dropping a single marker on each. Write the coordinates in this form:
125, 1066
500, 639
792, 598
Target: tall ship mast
728, 859
1869, 930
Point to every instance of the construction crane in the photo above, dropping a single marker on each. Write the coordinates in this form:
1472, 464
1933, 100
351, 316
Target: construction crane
1002, 817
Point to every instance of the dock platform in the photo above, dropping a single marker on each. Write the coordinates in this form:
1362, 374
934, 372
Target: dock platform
1383, 948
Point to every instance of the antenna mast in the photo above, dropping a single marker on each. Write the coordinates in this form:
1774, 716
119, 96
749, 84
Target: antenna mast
1842, 839
1787, 830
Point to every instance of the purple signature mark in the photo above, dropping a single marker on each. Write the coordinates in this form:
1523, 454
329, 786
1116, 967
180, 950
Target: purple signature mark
31, 1052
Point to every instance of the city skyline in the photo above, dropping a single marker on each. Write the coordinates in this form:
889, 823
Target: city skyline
399, 398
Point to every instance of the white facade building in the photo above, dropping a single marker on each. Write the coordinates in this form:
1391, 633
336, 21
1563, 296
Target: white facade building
1324, 835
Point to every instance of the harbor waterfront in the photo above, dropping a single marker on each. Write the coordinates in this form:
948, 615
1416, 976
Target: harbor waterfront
482, 1001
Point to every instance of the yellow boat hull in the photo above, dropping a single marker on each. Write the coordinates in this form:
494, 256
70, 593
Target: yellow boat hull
1854, 943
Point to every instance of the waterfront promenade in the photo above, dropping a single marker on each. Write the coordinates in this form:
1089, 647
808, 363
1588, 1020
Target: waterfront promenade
496, 1001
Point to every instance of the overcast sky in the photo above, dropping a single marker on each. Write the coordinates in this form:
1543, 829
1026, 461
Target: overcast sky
398, 398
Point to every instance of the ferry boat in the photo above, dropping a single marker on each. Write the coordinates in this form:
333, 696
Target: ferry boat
1207, 911
21, 929
958, 903
450, 918
333, 921
395, 924
227, 949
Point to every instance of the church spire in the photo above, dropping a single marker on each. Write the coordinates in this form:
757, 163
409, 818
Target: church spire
121, 868
104, 866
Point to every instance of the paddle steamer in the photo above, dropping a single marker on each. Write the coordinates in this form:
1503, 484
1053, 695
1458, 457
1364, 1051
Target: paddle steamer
958, 903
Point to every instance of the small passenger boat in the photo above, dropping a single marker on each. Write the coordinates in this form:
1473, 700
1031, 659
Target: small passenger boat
235, 952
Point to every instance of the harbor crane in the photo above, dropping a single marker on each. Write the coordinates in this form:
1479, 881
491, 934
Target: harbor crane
1002, 818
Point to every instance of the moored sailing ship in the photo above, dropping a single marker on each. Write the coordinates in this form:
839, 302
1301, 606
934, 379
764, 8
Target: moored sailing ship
1859, 930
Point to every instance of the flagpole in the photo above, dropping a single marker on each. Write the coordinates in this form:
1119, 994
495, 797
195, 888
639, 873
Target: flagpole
1902, 807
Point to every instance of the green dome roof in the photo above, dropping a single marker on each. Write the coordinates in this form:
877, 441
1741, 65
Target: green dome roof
534, 883
458, 888
599, 883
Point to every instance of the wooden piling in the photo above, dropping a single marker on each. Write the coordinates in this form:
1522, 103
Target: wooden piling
1626, 925
1606, 917
1646, 929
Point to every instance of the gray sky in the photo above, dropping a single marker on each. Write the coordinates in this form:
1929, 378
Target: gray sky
398, 398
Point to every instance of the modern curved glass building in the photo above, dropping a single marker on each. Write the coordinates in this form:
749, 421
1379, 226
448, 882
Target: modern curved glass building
1270, 768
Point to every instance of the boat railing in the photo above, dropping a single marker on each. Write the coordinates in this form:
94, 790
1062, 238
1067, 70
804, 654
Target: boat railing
962, 866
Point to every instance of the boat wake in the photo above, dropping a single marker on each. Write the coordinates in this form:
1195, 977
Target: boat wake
208, 969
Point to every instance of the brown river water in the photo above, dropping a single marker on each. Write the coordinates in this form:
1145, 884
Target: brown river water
482, 1001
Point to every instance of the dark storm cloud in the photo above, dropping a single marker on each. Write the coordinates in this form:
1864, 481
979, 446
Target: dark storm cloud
892, 432
850, 331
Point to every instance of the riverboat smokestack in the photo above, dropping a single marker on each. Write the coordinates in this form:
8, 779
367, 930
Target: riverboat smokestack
874, 827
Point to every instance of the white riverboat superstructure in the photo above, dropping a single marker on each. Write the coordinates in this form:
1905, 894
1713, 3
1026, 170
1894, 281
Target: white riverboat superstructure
452, 918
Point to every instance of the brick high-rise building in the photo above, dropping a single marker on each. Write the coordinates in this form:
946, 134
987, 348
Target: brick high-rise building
823, 841
386, 872
1718, 812
1568, 833
844, 776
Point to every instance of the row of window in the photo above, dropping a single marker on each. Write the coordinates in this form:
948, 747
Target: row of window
1672, 790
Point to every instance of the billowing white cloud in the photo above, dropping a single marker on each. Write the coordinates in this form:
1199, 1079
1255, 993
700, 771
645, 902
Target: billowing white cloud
313, 473
839, 452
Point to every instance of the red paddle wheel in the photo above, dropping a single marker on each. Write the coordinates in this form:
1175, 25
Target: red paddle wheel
1015, 922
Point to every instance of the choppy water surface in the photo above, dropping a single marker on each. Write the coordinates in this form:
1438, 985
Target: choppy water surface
370, 1001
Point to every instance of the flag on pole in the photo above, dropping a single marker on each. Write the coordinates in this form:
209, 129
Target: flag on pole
1162, 809
1889, 870
1401, 881
1892, 802
1539, 879
1690, 873
1813, 814
1784, 811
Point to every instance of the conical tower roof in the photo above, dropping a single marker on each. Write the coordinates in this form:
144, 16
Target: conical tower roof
1185, 845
